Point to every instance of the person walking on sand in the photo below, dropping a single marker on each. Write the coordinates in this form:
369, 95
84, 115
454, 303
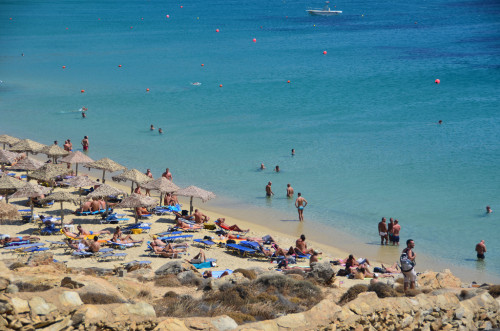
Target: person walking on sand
300, 203
85, 143
396, 228
289, 191
150, 175
269, 192
410, 276
481, 249
382, 231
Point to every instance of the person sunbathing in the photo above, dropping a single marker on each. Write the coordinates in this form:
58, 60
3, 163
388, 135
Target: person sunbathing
184, 217
222, 223
166, 251
394, 269
186, 226
208, 274
7, 239
141, 211
199, 258
84, 208
156, 241
94, 246
85, 233
95, 205
70, 234
71, 244
118, 236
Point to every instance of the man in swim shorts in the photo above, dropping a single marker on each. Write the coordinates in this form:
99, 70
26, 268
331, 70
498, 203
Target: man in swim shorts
396, 228
382, 231
300, 203
85, 143
289, 191
390, 230
481, 249
269, 192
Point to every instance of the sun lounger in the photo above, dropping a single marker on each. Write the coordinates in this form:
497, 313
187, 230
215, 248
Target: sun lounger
111, 256
24, 210
114, 219
168, 232
242, 250
18, 243
13, 249
145, 227
176, 238
123, 245
56, 244
205, 243
31, 250
82, 254
151, 252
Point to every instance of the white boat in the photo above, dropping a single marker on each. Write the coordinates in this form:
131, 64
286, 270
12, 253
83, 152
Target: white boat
326, 11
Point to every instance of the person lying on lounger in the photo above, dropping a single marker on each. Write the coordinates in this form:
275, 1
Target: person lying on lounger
166, 251
85, 233
6, 239
186, 226
156, 241
182, 217
85, 207
221, 222
70, 234
256, 239
141, 211
120, 239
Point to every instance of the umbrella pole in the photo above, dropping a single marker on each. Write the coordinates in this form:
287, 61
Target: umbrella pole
161, 198
106, 204
191, 206
77, 169
132, 188
32, 207
103, 173
62, 215
135, 215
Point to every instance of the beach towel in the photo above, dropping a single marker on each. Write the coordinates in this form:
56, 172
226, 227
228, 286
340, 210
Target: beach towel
217, 274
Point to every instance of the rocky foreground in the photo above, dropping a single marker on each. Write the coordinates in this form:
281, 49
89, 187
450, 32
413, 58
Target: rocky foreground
43, 295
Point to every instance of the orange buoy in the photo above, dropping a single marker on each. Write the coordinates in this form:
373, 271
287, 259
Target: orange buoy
288, 81
324, 52
147, 90
437, 81
216, 30
254, 40
119, 66
10, 18
64, 67
83, 91
202, 65
220, 85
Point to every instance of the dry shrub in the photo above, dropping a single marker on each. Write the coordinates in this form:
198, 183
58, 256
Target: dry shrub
167, 281
400, 289
89, 272
145, 294
16, 265
280, 282
181, 306
400, 281
304, 289
412, 292
426, 290
170, 294
494, 291
240, 318
99, 299
264, 311
266, 297
249, 274
28, 287
352, 293
382, 290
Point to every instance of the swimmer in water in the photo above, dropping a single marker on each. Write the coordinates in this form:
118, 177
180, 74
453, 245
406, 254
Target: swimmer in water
277, 169
293, 152
84, 115
488, 210
440, 122
152, 128
160, 131
262, 167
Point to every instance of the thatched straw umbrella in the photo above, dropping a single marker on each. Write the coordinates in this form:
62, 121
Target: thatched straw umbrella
61, 197
27, 146
134, 175
48, 172
7, 157
54, 151
77, 157
195, 192
104, 191
161, 184
9, 185
29, 163
8, 140
8, 211
105, 164
81, 181
136, 200
30, 190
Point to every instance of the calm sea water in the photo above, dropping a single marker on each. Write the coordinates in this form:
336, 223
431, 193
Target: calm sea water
362, 118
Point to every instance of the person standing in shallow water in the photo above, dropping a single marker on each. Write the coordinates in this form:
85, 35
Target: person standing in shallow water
289, 191
300, 203
85, 143
382, 231
480, 250
269, 191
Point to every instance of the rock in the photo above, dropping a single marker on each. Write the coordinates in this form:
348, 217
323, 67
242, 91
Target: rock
141, 309
12, 289
223, 323
189, 277
60, 325
173, 267
322, 272
38, 306
3, 323
171, 324
437, 280
5, 307
70, 299
89, 314
40, 259
69, 283
4, 282
20, 305
27, 328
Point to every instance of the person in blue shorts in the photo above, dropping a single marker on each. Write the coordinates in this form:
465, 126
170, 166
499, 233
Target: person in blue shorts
300, 203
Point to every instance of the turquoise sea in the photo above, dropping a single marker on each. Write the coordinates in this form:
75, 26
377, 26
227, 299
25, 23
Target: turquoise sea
362, 117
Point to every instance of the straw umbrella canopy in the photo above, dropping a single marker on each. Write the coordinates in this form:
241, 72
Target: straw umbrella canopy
8, 211
48, 172
9, 184
104, 191
30, 190
161, 184
195, 192
7, 157
8, 140
29, 163
54, 151
61, 197
80, 181
135, 201
77, 157
105, 164
134, 175
27, 145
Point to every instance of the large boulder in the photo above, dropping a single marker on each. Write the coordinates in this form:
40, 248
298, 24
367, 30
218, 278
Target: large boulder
322, 272
437, 280
189, 278
20, 305
39, 306
70, 299
174, 267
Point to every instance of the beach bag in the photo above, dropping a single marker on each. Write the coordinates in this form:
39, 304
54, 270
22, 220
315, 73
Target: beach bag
406, 263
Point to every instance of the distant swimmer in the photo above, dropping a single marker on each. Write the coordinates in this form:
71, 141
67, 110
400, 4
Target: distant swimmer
289, 191
196, 83
293, 152
269, 191
488, 210
262, 167
480, 250
85, 143
55, 142
160, 131
84, 109
152, 128
300, 203
277, 168
83, 114
440, 122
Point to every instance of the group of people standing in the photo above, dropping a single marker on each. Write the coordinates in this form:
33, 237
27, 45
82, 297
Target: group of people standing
389, 232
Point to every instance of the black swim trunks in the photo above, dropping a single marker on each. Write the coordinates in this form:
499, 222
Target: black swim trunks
480, 256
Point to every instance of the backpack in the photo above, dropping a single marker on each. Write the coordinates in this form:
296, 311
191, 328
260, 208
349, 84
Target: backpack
406, 263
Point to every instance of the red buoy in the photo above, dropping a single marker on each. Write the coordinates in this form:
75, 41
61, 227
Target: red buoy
216, 30
147, 90
119, 66
131, 27
254, 40
437, 81
202, 65
168, 16
324, 52
182, 6
220, 85
83, 91
288, 81
64, 67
